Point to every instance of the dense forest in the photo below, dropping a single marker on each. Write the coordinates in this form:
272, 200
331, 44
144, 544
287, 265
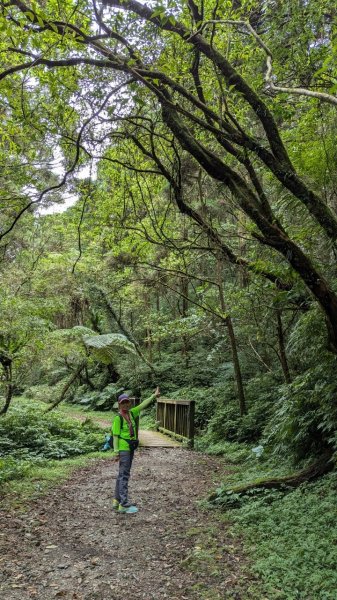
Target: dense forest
169, 217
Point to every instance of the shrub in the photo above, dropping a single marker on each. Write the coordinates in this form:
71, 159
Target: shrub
12, 469
305, 416
98, 400
42, 393
227, 424
233, 452
27, 434
217, 410
292, 541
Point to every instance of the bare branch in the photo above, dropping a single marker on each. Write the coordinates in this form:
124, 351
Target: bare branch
269, 71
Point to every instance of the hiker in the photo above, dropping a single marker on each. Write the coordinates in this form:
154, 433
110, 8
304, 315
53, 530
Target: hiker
125, 442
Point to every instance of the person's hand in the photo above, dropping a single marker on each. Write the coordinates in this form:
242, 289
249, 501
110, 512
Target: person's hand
115, 457
157, 392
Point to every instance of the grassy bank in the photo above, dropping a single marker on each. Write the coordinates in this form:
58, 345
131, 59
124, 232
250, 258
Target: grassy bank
36, 480
291, 538
97, 416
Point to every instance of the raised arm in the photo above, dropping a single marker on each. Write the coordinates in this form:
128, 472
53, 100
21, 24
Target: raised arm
149, 400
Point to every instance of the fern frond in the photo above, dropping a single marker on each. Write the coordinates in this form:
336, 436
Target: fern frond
75, 333
104, 346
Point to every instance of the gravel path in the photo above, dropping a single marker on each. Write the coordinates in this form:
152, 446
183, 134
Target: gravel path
70, 544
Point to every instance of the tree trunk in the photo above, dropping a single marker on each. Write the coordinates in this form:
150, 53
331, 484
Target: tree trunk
242, 233
235, 357
158, 346
184, 308
149, 344
9, 388
67, 386
184, 296
237, 368
184, 288
282, 349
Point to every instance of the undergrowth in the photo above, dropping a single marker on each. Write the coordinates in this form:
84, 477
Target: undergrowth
233, 452
30, 438
73, 410
290, 536
293, 541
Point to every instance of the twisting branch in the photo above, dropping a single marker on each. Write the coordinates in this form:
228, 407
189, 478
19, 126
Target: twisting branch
80, 225
113, 34
276, 158
269, 62
67, 385
211, 233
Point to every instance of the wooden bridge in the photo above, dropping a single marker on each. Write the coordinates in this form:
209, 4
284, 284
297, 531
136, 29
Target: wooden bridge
155, 439
175, 424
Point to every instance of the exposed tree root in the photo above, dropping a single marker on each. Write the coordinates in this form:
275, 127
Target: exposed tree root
320, 467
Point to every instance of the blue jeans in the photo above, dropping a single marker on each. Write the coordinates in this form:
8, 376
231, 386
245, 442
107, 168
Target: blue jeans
122, 481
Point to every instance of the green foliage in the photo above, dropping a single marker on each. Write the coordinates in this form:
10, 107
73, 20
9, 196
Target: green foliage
105, 347
28, 435
227, 424
98, 400
11, 468
236, 498
167, 280
289, 535
217, 410
148, 419
307, 344
43, 392
233, 452
206, 399
305, 417
292, 541
160, 267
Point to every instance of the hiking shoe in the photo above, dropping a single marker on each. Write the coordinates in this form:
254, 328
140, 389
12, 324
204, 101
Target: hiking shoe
127, 509
115, 504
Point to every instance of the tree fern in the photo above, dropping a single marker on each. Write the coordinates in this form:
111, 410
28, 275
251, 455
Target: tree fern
104, 346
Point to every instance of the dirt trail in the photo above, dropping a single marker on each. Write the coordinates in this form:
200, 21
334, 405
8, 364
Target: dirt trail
79, 416
70, 544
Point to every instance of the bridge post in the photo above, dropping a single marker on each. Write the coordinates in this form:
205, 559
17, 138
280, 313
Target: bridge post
191, 413
164, 418
175, 418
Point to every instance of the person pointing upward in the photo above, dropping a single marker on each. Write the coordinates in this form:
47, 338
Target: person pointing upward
125, 442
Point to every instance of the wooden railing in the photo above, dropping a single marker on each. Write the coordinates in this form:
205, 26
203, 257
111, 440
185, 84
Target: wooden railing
176, 418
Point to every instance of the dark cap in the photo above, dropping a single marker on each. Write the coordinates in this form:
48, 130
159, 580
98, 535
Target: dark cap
122, 397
